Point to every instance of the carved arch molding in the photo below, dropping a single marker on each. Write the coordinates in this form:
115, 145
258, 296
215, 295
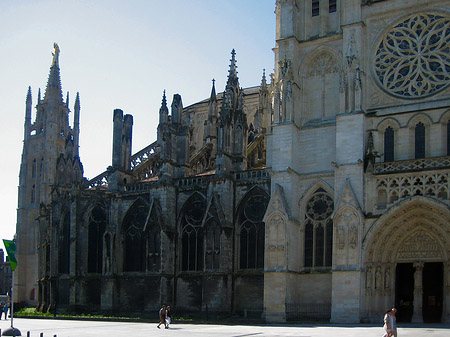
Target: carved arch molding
412, 233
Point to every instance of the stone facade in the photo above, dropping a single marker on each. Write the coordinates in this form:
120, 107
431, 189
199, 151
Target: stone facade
322, 195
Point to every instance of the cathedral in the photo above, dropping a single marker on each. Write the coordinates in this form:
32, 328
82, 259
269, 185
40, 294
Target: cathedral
320, 194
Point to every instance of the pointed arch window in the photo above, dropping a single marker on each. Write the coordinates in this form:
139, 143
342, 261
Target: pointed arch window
419, 140
97, 227
33, 194
33, 169
64, 245
153, 235
389, 144
251, 231
319, 230
134, 245
192, 234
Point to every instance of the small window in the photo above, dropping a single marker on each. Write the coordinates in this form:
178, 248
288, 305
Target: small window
315, 7
332, 6
389, 144
419, 141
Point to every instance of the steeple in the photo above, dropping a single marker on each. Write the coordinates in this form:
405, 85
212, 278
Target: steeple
213, 97
76, 123
232, 90
163, 111
209, 131
27, 125
53, 90
263, 105
232, 73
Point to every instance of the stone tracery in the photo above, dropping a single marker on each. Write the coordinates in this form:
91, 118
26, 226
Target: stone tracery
412, 59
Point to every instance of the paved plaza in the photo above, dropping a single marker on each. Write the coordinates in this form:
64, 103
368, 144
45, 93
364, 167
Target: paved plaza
69, 328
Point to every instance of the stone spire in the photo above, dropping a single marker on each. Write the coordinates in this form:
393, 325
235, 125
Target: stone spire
27, 125
53, 90
263, 105
232, 90
163, 111
76, 123
209, 132
213, 97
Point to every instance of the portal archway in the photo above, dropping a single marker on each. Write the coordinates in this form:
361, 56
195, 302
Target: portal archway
411, 236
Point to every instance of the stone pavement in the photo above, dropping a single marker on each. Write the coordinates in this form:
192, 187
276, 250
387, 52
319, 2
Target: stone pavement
69, 328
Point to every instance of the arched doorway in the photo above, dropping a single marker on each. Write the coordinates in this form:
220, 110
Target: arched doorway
406, 261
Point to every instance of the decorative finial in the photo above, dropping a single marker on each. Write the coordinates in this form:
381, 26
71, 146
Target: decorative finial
55, 54
213, 91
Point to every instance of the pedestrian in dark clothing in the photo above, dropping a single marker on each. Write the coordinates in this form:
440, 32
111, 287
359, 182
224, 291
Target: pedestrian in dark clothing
4, 311
162, 316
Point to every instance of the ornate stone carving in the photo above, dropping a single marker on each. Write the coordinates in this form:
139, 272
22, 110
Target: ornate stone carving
401, 186
378, 277
353, 235
412, 58
419, 246
323, 63
341, 236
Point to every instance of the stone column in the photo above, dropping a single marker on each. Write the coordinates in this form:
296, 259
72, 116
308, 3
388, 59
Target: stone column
418, 293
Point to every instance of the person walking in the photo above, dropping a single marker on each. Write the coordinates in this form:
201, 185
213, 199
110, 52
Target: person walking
168, 317
162, 317
5, 310
388, 323
394, 322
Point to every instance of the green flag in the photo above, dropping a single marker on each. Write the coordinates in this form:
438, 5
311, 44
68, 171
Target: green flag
11, 250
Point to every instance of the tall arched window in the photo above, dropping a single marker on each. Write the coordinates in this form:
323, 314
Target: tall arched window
389, 144
134, 245
97, 227
33, 194
419, 141
251, 230
64, 245
319, 230
153, 234
33, 169
192, 234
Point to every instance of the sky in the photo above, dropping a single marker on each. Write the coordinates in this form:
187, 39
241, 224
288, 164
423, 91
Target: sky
120, 54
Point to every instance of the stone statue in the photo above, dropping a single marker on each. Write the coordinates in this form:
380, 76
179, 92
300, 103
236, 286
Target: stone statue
55, 54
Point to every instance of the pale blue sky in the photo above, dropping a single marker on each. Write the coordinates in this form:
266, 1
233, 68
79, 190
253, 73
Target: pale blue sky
121, 54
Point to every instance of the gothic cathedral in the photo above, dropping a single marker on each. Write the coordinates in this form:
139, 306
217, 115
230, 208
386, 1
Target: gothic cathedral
321, 194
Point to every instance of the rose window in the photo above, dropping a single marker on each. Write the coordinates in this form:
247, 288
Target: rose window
413, 58
320, 206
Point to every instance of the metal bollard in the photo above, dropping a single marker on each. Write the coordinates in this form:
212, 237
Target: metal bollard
28, 333
42, 334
